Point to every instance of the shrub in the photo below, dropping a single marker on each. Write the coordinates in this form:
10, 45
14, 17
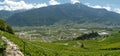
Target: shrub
5, 27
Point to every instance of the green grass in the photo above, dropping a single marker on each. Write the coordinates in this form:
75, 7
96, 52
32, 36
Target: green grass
58, 48
112, 41
1, 51
1, 46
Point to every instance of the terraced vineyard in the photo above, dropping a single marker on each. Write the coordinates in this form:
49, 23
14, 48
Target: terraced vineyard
107, 47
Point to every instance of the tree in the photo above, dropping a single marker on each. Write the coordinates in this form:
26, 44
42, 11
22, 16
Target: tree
88, 36
82, 45
2, 25
5, 27
9, 29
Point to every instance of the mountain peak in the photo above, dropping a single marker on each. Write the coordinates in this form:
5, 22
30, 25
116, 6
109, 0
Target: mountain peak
78, 13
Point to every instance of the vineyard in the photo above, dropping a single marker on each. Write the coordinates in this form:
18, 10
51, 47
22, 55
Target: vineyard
59, 28
68, 48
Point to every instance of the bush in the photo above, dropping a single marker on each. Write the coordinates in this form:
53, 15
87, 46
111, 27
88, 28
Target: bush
5, 27
88, 36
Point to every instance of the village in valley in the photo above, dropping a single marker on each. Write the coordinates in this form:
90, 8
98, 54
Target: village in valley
48, 35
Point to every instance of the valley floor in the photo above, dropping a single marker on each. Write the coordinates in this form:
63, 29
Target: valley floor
108, 46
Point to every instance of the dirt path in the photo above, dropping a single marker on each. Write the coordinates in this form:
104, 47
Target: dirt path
12, 49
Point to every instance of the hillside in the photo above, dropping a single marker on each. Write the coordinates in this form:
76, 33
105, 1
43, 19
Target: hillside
65, 13
4, 14
5, 27
109, 46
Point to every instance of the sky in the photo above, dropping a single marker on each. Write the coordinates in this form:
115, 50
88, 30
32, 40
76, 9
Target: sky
11, 5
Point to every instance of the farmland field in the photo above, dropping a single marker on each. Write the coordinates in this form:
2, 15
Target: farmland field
101, 46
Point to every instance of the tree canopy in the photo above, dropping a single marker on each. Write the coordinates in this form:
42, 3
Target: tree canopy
88, 36
5, 27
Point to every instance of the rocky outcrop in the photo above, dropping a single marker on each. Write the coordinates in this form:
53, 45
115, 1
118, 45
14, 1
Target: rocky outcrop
11, 49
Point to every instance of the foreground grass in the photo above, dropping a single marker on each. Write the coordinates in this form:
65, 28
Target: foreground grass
67, 48
2, 48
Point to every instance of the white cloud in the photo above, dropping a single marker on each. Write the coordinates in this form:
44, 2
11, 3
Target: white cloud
40, 5
53, 2
99, 6
12, 5
117, 10
105, 7
75, 1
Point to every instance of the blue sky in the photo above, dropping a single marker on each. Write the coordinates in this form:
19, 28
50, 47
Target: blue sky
110, 5
115, 3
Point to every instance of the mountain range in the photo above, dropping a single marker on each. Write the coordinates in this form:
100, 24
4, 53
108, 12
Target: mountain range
4, 14
65, 13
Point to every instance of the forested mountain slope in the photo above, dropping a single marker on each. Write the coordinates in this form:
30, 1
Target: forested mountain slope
71, 13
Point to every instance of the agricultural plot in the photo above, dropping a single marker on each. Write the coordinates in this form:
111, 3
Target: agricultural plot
68, 47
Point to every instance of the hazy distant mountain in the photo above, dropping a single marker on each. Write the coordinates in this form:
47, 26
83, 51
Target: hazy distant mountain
4, 14
78, 13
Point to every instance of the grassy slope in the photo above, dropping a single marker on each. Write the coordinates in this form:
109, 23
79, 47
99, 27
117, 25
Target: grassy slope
113, 41
36, 48
1, 45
